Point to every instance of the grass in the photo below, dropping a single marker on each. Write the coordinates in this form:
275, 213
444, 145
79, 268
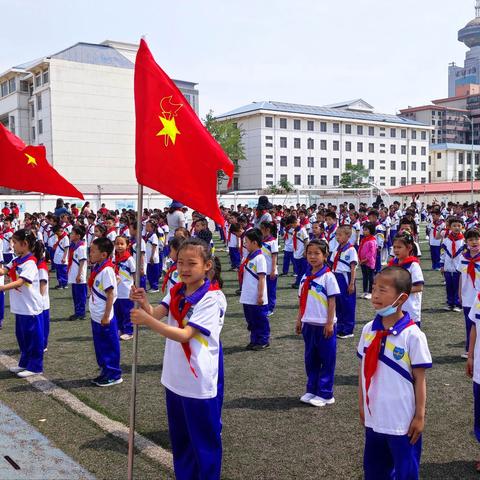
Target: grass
268, 433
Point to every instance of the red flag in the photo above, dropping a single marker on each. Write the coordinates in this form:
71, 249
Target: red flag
26, 168
175, 154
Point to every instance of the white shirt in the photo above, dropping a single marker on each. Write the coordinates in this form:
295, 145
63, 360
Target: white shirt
7, 242
301, 240
175, 220
126, 273
104, 281
112, 235
347, 257
289, 240
469, 288
321, 289
79, 254
234, 241
270, 248
253, 269
43, 277
474, 316
151, 241
391, 393
134, 254
436, 228
63, 245
355, 233
451, 262
413, 305
207, 316
90, 235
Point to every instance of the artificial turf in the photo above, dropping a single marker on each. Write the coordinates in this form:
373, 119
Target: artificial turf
267, 432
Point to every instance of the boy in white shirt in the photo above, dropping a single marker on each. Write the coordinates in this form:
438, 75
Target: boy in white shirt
435, 238
77, 272
60, 249
300, 239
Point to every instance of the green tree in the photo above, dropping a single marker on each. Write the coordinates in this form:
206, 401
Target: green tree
354, 177
285, 185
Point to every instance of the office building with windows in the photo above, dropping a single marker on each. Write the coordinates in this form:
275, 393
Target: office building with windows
452, 162
311, 146
79, 104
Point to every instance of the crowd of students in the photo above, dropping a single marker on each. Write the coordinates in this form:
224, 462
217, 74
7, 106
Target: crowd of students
95, 255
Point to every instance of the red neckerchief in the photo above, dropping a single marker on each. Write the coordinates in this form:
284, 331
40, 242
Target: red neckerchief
42, 265
123, 230
12, 272
295, 242
71, 251
471, 266
214, 286
453, 238
241, 270
229, 236
435, 225
306, 288
60, 238
112, 229
269, 238
339, 253
405, 263
285, 237
172, 268
97, 269
121, 258
330, 231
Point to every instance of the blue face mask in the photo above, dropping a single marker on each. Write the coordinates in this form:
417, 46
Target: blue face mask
389, 310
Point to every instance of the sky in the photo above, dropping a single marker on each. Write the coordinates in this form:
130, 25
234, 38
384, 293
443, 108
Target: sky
393, 54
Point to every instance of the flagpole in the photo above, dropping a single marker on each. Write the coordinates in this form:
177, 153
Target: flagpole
133, 392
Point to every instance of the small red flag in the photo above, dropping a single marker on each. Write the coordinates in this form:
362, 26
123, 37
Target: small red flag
27, 168
175, 154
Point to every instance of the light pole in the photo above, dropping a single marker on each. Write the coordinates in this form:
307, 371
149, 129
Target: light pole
310, 161
472, 160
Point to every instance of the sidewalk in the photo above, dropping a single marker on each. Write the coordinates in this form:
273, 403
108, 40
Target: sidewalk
25, 454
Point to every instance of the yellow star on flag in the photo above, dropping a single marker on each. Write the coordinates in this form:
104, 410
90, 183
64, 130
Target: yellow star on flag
169, 130
31, 160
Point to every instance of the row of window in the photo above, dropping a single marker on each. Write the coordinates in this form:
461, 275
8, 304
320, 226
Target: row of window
39, 129
322, 180
8, 86
349, 129
41, 78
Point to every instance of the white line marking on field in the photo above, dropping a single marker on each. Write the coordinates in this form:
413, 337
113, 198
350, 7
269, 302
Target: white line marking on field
117, 429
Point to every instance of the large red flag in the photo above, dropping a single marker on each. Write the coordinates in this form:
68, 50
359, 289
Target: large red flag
27, 168
175, 154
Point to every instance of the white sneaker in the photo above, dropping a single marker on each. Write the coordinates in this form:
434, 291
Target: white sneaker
27, 373
153, 291
16, 369
307, 397
464, 355
330, 401
126, 336
345, 335
368, 296
457, 309
317, 402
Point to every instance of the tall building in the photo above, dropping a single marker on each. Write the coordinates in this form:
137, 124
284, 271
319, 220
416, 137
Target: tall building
310, 146
79, 104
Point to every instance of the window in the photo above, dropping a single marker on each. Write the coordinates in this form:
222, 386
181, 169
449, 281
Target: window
359, 129
268, 137
393, 149
323, 162
371, 131
283, 123
423, 180
414, 150
283, 177
40, 127
393, 132
403, 181
24, 86
296, 125
371, 148
336, 145
32, 110
283, 142
393, 181
269, 183
414, 134
310, 180
403, 133
414, 166
323, 126
403, 149
414, 180
297, 162
423, 166
423, 151
403, 165
424, 137
359, 147
336, 162
348, 128
371, 164
382, 131
393, 165
269, 164
12, 85
45, 77
11, 124
323, 180
297, 179
269, 144
310, 125
33, 133
269, 175
460, 176
348, 161
310, 162
348, 146
477, 159
4, 88
296, 143
336, 128
323, 144
336, 180
283, 161
359, 162
469, 158
460, 158
38, 80
310, 143
269, 157
439, 174
269, 122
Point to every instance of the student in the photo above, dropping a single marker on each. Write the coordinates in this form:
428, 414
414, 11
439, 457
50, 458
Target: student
60, 256
452, 248
172, 276
100, 231
367, 257
343, 263
435, 238
152, 256
270, 252
356, 228
102, 284
316, 321
470, 221
318, 231
77, 272
405, 257
125, 270
39, 254
26, 304
234, 239
7, 234
392, 388
379, 236
254, 297
300, 238
132, 227
331, 230
192, 372
469, 284
111, 232
288, 250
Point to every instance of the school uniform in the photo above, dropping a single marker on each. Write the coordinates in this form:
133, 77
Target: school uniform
172, 277
112, 234
288, 251
380, 232
475, 319
300, 239
234, 249
389, 403
192, 375
2, 294
61, 266
125, 269
166, 247
331, 236
133, 251
7, 245
435, 243
385, 250
320, 352
394, 223
270, 248
355, 237
153, 260
26, 304
471, 222
90, 234
124, 231
43, 277
252, 267
52, 239
105, 337
451, 251
78, 253
341, 261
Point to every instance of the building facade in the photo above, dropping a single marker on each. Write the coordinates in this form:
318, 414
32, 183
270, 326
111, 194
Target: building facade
79, 103
311, 146
453, 162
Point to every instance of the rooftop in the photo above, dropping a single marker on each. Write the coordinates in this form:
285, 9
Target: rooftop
454, 146
440, 187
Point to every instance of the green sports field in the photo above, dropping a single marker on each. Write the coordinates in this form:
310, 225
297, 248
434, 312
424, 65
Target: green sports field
268, 433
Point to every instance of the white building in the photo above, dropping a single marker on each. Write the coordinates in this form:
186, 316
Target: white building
310, 146
79, 104
452, 162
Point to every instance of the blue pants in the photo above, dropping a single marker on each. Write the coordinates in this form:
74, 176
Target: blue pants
452, 280
195, 427
29, 332
234, 257
143, 282
378, 261
2, 307
62, 274
257, 323
287, 258
435, 253
46, 327
107, 349
79, 295
220, 230
272, 293
345, 305
7, 258
320, 357
389, 457
476, 410
300, 266
153, 275
122, 307
468, 327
